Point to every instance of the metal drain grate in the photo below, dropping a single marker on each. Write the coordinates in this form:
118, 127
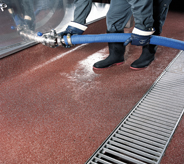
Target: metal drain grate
142, 137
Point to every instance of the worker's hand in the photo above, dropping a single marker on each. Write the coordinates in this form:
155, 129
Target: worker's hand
73, 29
139, 37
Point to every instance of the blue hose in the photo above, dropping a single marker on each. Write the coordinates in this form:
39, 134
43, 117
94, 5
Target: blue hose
122, 37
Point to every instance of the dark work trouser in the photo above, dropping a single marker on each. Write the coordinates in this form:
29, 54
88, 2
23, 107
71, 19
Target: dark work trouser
153, 16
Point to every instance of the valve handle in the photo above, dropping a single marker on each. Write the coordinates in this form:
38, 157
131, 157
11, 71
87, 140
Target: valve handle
2, 6
39, 34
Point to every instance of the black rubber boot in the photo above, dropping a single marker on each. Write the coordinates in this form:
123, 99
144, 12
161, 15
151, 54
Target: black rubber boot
116, 56
147, 56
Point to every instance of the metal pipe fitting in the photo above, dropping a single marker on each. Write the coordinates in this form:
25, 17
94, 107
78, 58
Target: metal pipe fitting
3, 6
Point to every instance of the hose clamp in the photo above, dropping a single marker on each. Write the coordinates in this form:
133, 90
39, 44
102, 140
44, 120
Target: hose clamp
68, 36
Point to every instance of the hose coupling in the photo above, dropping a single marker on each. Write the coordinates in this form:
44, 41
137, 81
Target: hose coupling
64, 40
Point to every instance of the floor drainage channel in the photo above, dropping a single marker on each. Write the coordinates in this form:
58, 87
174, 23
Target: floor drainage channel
142, 137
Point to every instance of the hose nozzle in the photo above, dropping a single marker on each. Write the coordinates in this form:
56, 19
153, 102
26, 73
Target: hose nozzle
52, 39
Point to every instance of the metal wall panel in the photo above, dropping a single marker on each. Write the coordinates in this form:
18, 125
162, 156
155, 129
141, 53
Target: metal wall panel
34, 16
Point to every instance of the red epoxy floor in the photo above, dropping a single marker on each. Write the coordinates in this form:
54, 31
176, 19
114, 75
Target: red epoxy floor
54, 108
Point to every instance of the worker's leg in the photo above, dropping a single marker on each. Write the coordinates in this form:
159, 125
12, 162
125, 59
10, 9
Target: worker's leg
160, 10
117, 17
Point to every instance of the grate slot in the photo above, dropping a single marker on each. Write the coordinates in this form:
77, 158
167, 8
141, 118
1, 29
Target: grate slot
134, 145
94, 162
159, 123
153, 126
165, 97
128, 149
148, 129
101, 161
115, 161
171, 84
159, 102
163, 106
142, 137
148, 141
170, 93
167, 120
148, 133
161, 112
149, 123
163, 109
125, 157
139, 142
129, 154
